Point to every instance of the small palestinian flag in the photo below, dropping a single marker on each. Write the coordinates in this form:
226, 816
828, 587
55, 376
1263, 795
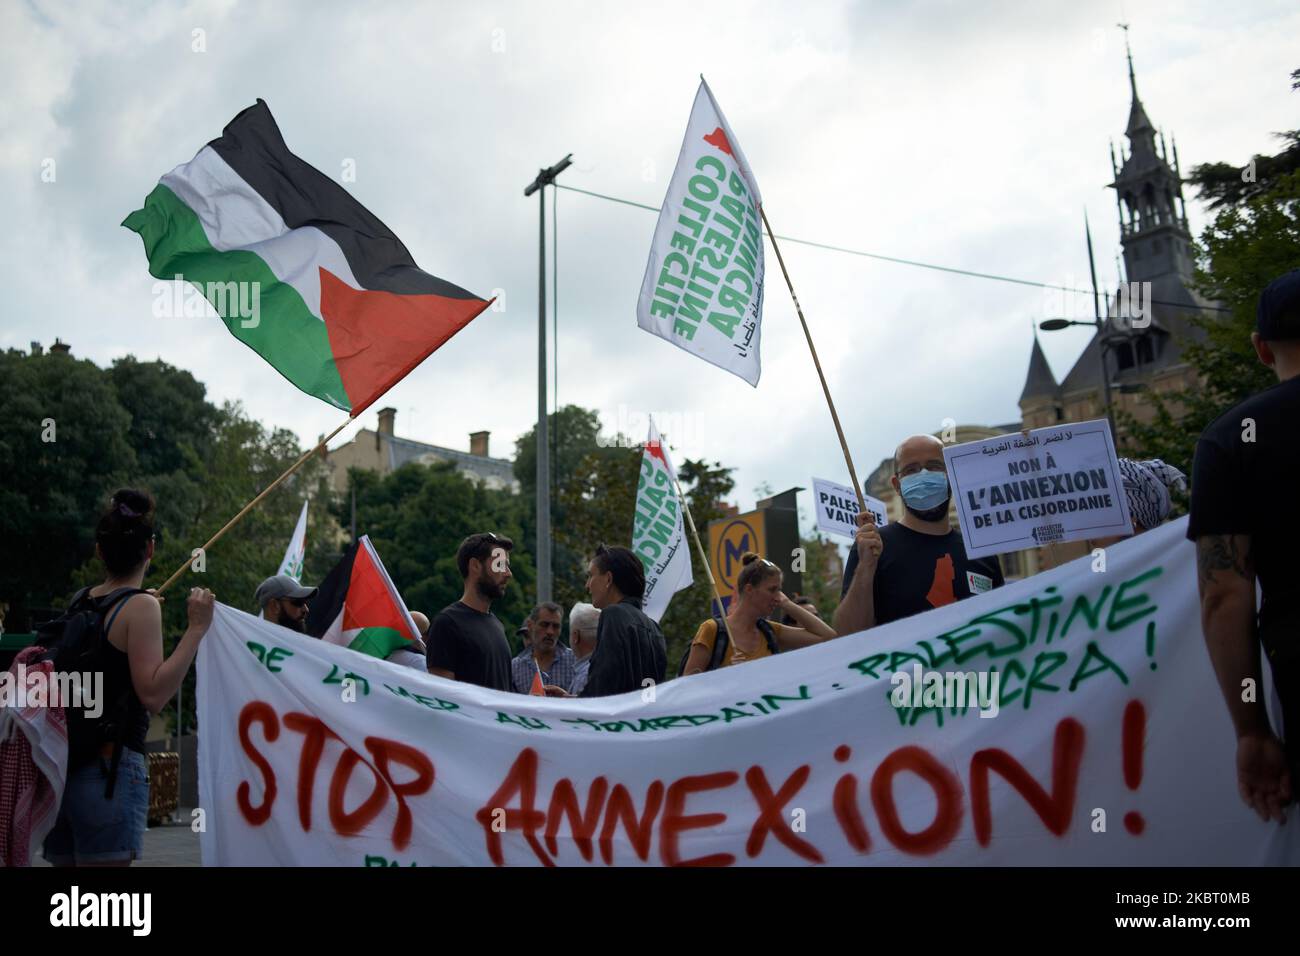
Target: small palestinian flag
298, 270
538, 689
358, 607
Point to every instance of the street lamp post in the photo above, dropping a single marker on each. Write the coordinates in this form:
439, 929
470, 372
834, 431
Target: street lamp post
545, 177
1103, 342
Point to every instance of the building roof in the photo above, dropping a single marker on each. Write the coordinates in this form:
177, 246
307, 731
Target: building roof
402, 451
1171, 330
1138, 121
1039, 381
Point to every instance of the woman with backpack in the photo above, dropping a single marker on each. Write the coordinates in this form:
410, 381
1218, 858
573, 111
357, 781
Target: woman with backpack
115, 628
748, 633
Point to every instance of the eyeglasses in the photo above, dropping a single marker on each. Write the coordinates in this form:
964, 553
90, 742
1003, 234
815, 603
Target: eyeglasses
934, 464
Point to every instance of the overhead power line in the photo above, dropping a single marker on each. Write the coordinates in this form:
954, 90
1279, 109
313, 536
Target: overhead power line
906, 262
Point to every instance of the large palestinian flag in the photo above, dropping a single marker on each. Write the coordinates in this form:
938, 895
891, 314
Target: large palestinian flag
357, 605
343, 310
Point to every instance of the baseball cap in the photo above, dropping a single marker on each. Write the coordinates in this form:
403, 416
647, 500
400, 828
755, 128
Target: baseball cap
1278, 316
281, 586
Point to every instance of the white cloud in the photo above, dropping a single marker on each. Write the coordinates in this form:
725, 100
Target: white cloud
973, 138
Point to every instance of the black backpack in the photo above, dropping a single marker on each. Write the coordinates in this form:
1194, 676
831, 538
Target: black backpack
723, 639
74, 642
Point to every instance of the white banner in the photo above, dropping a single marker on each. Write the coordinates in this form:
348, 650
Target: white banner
1106, 742
1056, 484
658, 529
296, 554
703, 285
837, 508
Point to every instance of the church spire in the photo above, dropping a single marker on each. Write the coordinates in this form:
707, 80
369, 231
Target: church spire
1132, 80
1139, 126
1153, 227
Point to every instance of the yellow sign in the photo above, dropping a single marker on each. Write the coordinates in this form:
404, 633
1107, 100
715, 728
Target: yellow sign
729, 539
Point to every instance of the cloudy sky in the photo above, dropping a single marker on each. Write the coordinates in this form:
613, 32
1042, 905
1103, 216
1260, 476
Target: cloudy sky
967, 135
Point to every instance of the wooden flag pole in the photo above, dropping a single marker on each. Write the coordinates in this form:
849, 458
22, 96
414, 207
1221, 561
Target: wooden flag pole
703, 557
252, 504
848, 459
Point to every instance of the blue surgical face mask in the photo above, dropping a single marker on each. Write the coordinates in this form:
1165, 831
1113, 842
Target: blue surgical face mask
924, 490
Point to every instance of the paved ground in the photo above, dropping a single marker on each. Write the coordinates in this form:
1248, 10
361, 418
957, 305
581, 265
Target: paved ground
165, 846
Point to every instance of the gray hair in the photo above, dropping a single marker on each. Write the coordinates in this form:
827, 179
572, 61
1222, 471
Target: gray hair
584, 617
546, 606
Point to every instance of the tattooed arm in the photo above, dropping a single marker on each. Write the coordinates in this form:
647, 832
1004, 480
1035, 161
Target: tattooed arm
1226, 578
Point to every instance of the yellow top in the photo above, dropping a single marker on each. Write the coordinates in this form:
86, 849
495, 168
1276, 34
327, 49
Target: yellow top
707, 636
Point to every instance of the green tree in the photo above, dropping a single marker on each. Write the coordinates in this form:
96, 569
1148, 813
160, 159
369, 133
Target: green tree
77, 432
170, 414
1222, 184
242, 459
597, 498
823, 573
416, 518
63, 451
573, 432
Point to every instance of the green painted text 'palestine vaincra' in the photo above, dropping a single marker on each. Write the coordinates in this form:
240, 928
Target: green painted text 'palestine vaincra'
723, 242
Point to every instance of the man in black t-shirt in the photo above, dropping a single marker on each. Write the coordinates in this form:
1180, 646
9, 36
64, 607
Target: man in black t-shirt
917, 563
1246, 525
466, 640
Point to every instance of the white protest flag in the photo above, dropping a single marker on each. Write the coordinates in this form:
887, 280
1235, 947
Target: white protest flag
1099, 738
658, 532
703, 285
296, 554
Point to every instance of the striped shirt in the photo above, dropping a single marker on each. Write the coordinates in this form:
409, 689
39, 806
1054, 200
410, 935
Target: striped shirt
560, 673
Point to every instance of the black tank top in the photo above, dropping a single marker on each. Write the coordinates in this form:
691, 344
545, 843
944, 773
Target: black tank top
117, 681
